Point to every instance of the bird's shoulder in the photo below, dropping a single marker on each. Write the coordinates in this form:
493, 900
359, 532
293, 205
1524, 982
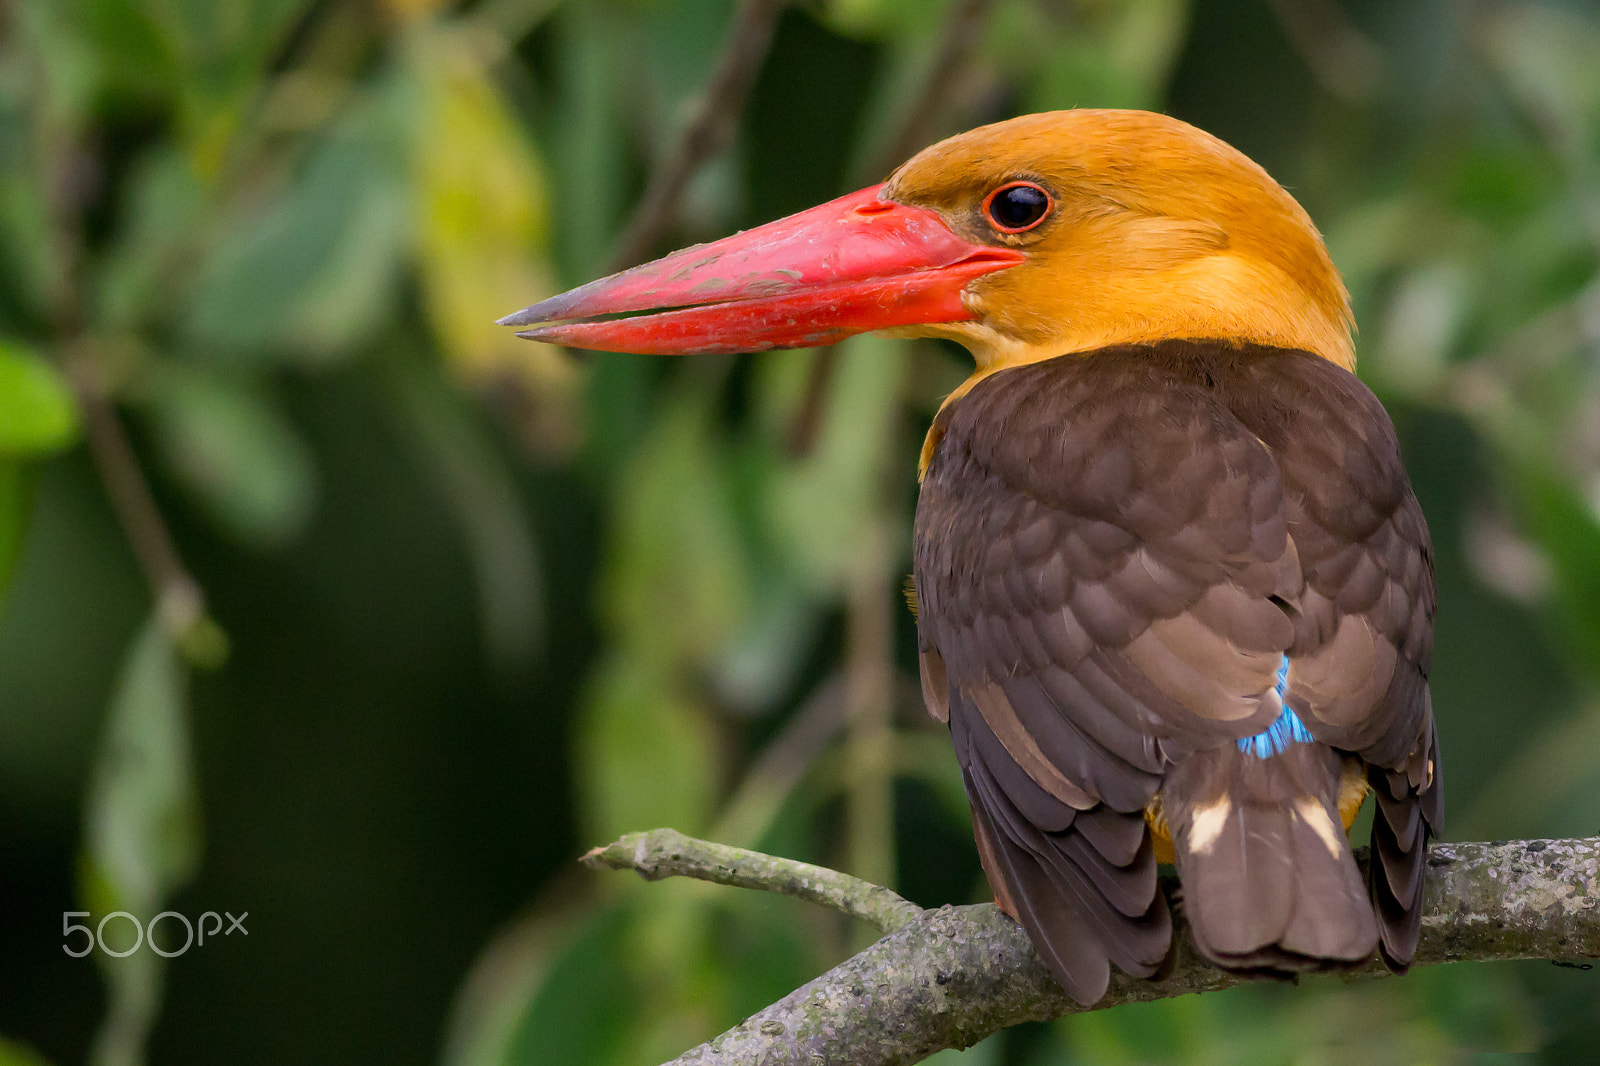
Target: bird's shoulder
1205, 444
1102, 533
1082, 431
1097, 454
1195, 510
1048, 426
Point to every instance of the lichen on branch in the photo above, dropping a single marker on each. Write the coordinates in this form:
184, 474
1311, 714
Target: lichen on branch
951, 976
668, 853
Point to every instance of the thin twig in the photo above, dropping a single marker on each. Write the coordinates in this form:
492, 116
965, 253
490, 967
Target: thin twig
706, 133
668, 853
808, 420
178, 596
177, 593
949, 977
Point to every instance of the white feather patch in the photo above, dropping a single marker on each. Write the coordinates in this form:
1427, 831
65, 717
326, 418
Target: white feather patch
1316, 816
1206, 824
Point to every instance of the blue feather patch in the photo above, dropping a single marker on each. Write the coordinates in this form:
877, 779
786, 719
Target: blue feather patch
1288, 729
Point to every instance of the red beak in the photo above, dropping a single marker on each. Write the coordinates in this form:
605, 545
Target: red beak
855, 264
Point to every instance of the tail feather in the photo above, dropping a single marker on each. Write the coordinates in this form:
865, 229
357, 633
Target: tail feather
1269, 882
1234, 864
1328, 920
1395, 832
1081, 909
1402, 812
1395, 878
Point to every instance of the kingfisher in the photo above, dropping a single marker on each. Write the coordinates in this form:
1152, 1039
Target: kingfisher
1174, 592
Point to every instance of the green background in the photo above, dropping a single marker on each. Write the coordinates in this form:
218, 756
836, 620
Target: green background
471, 606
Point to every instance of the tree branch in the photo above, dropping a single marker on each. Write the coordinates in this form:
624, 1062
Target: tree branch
178, 594
668, 853
74, 176
949, 977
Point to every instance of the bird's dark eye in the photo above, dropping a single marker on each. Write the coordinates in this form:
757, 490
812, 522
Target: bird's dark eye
1016, 207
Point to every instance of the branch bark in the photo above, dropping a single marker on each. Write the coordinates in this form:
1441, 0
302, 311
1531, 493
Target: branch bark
73, 174
949, 977
178, 594
668, 853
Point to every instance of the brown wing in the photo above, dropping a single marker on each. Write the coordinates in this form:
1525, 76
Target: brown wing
1364, 625
1101, 551
1113, 554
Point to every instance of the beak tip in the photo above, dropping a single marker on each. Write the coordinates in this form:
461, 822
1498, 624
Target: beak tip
515, 318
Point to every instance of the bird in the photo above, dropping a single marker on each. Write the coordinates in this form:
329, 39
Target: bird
1174, 592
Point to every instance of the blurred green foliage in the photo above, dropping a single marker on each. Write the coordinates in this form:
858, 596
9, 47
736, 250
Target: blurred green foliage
487, 606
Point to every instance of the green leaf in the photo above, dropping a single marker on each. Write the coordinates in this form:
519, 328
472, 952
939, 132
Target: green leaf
315, 273
481, 216
824, 510
679, 588
588, 137
1119, 54
28, 260
16, 1053
143, 817
584, 1010
235, 451
556, 985
66, 70
139, 280
37, 413
647, 756
1546, 56
141, 828
1567, 529
119, 49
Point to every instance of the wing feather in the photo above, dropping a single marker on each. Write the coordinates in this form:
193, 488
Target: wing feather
1114, 552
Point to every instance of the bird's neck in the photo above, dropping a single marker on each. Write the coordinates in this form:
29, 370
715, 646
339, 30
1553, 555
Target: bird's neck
1217, 298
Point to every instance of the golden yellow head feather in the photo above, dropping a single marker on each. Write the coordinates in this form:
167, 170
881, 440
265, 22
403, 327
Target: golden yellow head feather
1156, 231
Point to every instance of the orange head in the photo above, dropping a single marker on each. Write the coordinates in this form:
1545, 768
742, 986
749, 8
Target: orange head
1149, 229
1037, 237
